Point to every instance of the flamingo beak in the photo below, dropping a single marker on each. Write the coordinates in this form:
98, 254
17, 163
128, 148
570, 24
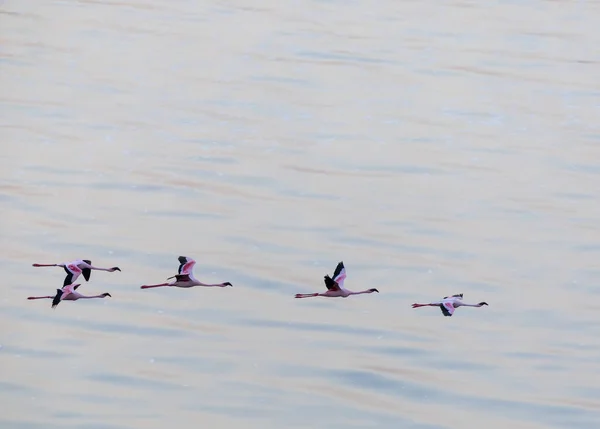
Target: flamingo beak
116, 269
483, 303
374, 290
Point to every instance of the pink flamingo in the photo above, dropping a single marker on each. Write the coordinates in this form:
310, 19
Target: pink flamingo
185, 277
335, 286
68, 293
75, 268
449, 304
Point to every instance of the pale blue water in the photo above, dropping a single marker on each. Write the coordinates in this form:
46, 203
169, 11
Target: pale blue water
434, 148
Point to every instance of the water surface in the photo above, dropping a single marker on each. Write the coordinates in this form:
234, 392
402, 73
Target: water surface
435, 148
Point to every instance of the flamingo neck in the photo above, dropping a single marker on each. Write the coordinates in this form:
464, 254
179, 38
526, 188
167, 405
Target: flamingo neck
358, 293
199, 283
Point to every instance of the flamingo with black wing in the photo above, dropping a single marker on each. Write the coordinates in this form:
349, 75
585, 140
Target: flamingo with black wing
449, 303
68, 293
335, 286
75, 268
185, 277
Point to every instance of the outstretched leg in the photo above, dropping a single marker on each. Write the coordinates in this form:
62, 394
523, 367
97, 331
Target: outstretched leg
306, 295
158, 285
423, 305
40, 297
44, 265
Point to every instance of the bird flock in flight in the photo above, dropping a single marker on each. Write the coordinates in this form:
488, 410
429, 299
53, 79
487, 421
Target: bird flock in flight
185, 279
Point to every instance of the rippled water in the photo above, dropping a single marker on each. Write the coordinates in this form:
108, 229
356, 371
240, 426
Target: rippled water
434, 147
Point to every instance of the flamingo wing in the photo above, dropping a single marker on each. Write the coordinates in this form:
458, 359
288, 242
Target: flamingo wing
458, 296
186, 265
339, 275
69, 289
73, 272
331, 284
87, 272
57, 297
447, 308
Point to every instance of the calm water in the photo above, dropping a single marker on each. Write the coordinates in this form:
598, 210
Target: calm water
434, 147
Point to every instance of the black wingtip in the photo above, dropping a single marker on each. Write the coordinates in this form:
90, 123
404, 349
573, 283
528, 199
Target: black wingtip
445, 311
338, 269
56, 299
329, 282
457, 295
182, 259
69, 278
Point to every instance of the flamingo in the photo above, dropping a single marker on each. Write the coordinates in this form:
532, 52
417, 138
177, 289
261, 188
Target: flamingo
449, 303
185, 277
75, 268
335, 286
68, 293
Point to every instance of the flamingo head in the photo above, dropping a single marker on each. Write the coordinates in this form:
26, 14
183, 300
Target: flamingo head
227, 284
105, 294
373, 290
115, 269
481, 304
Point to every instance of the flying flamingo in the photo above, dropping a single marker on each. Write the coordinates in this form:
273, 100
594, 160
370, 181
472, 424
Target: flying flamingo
68, 293
335, 286
449, 304
75, 268
185, 277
